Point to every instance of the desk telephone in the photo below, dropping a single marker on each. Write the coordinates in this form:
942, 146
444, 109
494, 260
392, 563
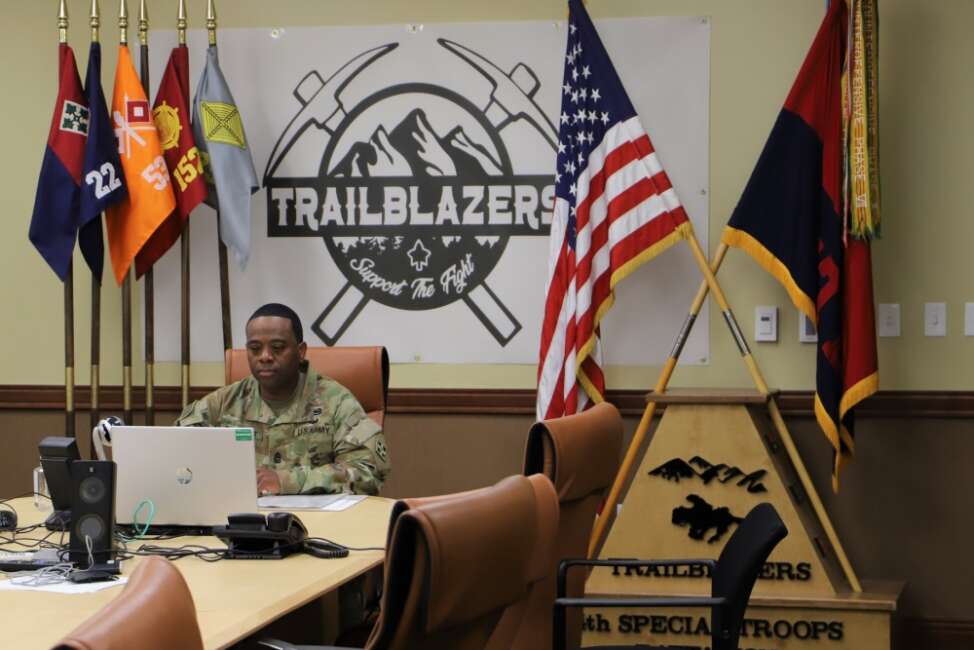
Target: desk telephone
254, 536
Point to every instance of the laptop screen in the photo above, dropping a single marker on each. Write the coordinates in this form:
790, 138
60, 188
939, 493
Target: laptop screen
183, 476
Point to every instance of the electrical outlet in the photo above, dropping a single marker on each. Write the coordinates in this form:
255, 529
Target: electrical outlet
889, 319
969, 319
935, 319
766, 323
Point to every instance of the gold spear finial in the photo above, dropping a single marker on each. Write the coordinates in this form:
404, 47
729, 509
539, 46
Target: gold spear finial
143, 23
62, 23
181, 22
211, 21
95, 21
123, 22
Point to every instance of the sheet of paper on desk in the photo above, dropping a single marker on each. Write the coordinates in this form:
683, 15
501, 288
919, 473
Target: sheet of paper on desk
325, 502
63, 587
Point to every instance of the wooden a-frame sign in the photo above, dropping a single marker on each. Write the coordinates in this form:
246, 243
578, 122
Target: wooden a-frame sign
714, 455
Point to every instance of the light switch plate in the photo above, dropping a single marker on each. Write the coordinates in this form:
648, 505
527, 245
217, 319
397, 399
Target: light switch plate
935, 319
806, 329
889, 319
969, 319
766, 323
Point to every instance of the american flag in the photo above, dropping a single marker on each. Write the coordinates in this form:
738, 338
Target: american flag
614, 209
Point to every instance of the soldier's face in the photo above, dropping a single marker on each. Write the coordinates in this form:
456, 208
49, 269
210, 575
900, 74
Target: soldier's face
274, 355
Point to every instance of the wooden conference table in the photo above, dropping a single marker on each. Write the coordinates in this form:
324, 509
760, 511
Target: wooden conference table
234, 598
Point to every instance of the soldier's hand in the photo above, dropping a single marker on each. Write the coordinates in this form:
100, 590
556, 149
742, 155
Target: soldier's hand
268, 482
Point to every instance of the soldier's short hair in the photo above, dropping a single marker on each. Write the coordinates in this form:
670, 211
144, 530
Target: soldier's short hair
281, 311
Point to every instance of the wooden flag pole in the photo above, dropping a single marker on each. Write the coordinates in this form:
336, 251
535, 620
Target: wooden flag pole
224, 291
62, 25
710, 284
149, 279
639, 437
69, 352
776, 418
184, 251
95, 412
224, 262
123, 25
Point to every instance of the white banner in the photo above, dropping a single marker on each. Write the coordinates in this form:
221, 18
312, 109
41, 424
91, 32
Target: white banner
407, 184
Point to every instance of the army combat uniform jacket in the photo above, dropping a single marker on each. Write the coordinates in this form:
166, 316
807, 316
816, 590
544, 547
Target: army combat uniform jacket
322, 442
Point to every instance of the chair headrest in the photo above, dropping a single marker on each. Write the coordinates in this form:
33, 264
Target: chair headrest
481, 548
580, 453
154, 610
363, 370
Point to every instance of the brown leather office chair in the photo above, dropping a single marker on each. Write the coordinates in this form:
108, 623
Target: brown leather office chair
580, 454
474, 554
362, 370
454, 563
155, 611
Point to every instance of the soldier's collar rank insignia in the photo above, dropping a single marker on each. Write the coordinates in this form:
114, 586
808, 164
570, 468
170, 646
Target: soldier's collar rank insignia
74, 118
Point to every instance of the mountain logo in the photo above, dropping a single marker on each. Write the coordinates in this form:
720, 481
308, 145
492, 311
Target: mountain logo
676, 469
415, 193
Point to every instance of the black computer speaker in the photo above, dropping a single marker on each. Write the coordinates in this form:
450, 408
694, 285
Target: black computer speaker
92, 512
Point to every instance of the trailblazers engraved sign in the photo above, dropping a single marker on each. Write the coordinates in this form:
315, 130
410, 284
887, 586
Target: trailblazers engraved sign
713, 457
416, 214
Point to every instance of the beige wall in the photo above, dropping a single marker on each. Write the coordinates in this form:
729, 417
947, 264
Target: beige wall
757, 47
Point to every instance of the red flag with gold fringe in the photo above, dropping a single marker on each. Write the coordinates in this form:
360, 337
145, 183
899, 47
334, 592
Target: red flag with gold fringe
790, 219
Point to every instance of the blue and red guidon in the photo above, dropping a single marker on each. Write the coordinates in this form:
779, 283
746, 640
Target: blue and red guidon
103, 182
56, 218
789, 219
615, 208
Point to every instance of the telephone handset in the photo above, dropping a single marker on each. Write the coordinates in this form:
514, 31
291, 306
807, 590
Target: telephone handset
254, 536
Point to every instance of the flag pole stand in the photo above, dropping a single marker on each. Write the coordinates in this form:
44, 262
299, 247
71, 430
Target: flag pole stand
714, 455
711, 285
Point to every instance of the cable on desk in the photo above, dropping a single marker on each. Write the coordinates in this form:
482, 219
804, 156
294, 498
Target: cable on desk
150, 513
350, 548
49, 575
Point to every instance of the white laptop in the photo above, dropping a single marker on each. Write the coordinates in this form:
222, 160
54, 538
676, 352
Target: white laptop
194, 476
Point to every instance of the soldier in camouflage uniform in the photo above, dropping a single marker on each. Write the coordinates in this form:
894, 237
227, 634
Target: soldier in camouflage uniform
311, 434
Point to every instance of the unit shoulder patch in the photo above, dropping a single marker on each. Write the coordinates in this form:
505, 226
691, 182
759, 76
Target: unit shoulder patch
74, 118
221, 123
166, 118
